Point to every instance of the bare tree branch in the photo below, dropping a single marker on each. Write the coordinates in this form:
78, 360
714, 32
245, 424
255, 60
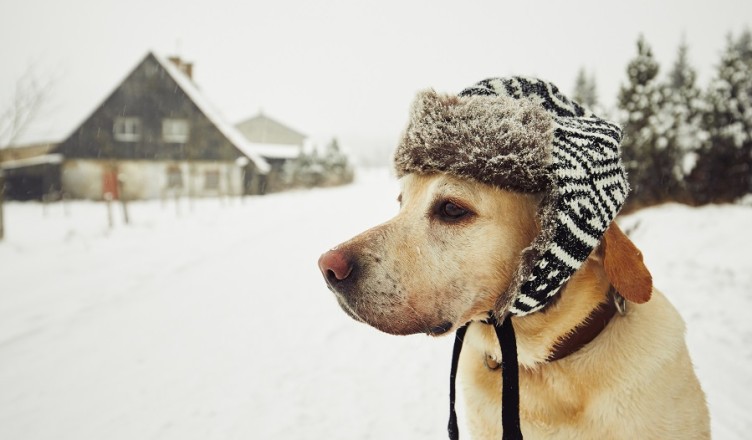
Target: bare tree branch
29, 95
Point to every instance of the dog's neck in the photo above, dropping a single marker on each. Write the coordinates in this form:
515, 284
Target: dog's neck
538, 333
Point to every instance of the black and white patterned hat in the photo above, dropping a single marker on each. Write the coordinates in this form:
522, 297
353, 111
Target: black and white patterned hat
522, 134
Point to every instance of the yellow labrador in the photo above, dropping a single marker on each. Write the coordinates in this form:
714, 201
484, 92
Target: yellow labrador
445, 259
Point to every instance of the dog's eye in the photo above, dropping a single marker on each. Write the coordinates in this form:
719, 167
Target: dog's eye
451, 211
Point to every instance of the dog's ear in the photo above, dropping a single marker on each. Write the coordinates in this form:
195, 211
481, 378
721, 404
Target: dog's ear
624, 267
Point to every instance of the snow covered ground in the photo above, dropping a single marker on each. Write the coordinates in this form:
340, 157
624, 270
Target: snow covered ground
214, 323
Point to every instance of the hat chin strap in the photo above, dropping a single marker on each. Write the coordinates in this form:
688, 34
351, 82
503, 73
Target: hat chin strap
581, 335
510, 399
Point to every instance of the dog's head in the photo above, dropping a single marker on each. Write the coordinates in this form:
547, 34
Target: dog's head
449, 257
507, 188
444, 259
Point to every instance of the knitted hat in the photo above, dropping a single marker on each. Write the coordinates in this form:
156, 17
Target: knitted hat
523, 135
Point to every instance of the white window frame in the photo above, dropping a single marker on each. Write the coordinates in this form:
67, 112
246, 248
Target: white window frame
175, 130
127, 128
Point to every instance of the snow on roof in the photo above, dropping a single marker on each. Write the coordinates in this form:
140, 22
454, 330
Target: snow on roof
264, 119
230, 132
276, 151
31, 161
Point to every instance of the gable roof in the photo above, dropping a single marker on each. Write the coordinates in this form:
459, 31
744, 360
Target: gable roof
262, 129
230, 132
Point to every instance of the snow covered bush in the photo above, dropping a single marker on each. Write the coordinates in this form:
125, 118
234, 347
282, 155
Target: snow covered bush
328, 168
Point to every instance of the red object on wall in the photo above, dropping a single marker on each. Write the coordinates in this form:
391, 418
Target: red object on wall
110, 183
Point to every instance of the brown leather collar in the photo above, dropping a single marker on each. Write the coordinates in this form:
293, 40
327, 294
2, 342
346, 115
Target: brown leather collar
590, 328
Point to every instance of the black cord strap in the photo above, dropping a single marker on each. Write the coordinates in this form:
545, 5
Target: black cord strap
510, 404
454, 432
510, 398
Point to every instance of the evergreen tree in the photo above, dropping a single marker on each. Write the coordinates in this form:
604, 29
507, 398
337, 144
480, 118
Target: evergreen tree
323, 168
312, 168
680, 134
638, 103
744, 45
585, 91
333, 154
337, 164
724, 164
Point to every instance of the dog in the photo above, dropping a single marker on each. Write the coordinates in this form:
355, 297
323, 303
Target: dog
605, 359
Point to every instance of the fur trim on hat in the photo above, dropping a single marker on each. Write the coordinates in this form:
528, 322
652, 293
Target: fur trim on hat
496, 140
522, 134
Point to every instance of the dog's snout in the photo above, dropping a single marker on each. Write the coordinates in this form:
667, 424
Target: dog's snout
335, 265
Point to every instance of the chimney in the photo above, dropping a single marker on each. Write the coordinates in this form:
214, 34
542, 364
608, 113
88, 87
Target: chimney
183, 66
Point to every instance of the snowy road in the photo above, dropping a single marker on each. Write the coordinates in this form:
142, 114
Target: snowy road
215, 324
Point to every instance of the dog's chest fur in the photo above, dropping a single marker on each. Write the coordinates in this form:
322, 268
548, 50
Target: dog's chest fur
618, 386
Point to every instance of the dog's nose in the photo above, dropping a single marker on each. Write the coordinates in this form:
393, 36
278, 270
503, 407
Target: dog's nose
335, 265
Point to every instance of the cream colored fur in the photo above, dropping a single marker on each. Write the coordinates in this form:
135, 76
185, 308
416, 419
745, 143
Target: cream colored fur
417, 271
634, 381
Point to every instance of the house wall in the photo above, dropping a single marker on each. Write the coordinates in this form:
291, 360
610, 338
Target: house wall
86, 178
82, 179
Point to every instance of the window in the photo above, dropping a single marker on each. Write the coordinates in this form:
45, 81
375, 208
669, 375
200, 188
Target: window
174, 177
211, 180
127, 129
174, 130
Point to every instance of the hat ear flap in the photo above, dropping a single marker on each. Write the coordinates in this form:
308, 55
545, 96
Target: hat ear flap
624, 266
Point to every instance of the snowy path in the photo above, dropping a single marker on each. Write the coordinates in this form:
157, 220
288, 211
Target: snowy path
215, 324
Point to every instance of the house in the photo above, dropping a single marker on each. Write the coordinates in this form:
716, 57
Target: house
277, 143
154, 135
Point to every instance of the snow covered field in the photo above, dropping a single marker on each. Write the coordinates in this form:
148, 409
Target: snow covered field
215, 323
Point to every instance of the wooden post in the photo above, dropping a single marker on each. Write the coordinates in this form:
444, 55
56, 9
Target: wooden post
2, 201
242, 163
108, 202
121, 193
228, 180
191, 182
222, 193
176, 192
242, 185
64, 201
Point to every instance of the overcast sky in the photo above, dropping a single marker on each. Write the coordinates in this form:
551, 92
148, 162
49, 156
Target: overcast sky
342, 68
